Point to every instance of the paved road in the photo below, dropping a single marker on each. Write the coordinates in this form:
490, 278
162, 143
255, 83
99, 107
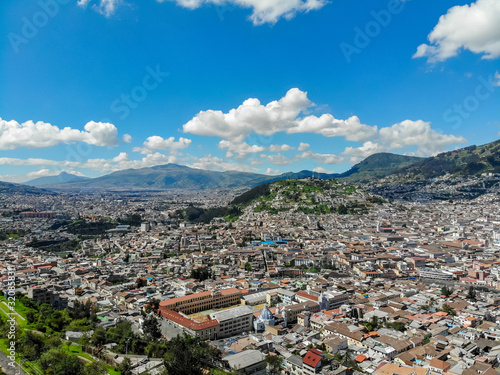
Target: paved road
4, 363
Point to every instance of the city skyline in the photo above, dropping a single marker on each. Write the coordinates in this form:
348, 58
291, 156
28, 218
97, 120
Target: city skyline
90, 87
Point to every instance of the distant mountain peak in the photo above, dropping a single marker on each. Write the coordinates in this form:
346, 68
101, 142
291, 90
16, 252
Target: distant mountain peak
61, 178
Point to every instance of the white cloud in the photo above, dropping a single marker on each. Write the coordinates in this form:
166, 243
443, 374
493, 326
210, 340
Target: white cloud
405, 134
277, 116
327, 125
278, 148
104, 7
127, 138
156, 142
359, 153
497, 77
283, 116
271, 172
119, 162
280, 159
14, 135
474, 27
83, 3
321, 158
303, 146
42, 173
417, 133
215, 163
250, 117
323, 170
263, 11
241, 149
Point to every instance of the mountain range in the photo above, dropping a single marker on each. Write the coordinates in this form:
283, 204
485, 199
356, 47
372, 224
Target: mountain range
174, 176
466, 161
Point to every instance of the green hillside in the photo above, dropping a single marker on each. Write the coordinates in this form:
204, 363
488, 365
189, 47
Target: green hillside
468, 161
10, 188
309, 196
378, 166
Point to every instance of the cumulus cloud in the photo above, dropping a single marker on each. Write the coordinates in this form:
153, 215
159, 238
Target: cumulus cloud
359, 153
303, 146
268, 11
497, 79
321, 158
327, 125
417, 133
251, 116
278, 116
127, 138
156, 142
322, 170
405, 134
271, 172
29, 134
287, 115
215, 163
42, 173
104, 7
280, 159
240, 149
83, 3
119, 162
279, 148
474, 27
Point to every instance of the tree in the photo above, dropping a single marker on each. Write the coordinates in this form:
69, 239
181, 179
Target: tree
151, 328
125, 367
471, 293
449, 310
200, 273
140, 282
153, 306
84, 340
98, 337
248, 266
273, 364
95, 368
58, 362
188, 355
31, 345
342, 209
427, 338
445, 291
347, 358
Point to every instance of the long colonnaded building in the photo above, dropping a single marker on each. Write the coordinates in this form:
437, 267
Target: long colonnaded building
197, 302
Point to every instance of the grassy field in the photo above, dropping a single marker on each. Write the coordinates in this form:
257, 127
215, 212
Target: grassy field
20, 309
216, 371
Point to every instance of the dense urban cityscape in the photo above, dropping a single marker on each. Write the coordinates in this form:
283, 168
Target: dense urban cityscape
397, 287
249, 187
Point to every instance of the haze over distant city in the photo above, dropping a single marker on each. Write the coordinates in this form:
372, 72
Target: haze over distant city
93, 86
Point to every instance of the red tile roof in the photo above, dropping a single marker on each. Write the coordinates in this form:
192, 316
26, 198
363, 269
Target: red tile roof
311, 359
186, 322
184, 298
303, 294
360, 358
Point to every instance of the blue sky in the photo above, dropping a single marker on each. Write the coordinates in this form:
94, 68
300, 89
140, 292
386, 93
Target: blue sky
94, 86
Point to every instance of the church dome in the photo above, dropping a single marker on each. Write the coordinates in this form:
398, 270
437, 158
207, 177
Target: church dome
266, 314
